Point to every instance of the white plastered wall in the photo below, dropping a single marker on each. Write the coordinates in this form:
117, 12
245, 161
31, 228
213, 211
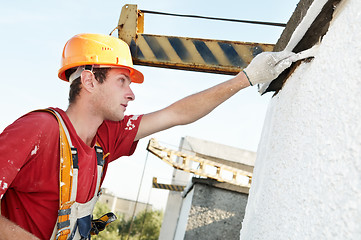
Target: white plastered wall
307, 176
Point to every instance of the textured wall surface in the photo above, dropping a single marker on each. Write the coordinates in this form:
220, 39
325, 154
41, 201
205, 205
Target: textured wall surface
307, 176
215, 214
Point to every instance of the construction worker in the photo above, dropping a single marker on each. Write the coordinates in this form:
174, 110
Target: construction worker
52, 162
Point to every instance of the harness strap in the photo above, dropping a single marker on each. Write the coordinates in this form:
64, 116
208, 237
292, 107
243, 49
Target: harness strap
83, 223
74, 161
68, 177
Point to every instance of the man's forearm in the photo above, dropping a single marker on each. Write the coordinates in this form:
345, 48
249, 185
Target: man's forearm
9, 230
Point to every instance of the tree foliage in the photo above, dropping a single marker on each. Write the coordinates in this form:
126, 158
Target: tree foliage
146, 225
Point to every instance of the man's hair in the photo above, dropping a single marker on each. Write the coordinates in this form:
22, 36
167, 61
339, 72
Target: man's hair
75, 87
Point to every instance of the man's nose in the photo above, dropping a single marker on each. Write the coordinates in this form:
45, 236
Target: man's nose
130, 95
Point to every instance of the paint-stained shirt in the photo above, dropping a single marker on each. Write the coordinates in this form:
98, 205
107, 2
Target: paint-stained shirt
29, 166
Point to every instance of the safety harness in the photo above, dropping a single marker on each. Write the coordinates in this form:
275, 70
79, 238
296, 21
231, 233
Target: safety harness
75, 219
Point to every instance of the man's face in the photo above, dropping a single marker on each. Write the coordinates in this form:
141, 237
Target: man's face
113, 95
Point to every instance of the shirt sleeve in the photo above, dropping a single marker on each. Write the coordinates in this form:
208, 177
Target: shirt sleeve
19, 142
117, 138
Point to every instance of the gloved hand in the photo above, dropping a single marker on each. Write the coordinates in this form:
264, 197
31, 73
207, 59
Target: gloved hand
267, 66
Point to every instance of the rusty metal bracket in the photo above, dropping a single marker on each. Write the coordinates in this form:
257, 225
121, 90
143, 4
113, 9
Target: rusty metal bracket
194, 54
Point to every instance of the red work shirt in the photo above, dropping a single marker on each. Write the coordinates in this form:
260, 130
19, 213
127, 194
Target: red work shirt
29, 166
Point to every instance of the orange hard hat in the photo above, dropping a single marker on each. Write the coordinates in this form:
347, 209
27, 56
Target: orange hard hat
97, 49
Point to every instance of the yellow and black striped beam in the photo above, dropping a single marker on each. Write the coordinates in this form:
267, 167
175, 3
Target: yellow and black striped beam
170, 187
194, 54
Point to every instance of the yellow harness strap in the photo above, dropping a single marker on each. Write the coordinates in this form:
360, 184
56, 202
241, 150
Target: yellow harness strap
65, 179
68, 176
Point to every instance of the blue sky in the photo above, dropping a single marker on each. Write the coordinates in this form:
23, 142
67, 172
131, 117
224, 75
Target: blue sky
34, 34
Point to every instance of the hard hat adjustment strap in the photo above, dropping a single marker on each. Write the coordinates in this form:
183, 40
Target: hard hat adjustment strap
78, 72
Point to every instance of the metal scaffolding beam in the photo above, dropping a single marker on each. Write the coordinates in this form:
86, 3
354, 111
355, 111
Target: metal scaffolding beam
171, 187
194, 54
200, 166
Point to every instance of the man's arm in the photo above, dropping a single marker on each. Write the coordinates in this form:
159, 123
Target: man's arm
9, 230
263, 68
191, 108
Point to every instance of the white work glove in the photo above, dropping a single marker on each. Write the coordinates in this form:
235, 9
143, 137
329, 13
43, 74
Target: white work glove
267, 66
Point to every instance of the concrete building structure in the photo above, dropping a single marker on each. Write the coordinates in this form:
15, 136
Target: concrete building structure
223, 203
307, 177
211, 210
121, 206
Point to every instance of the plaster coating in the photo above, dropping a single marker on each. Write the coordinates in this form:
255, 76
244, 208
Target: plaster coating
307, 176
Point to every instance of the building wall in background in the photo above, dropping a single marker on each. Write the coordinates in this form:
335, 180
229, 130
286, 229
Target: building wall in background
212, 210
121, 206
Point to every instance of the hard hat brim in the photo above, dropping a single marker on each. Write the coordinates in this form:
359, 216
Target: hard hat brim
135, 75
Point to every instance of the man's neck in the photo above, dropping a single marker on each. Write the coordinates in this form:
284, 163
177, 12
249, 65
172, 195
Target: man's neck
85, 122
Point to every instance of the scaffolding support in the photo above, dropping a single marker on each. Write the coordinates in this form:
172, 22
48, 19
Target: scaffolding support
200, 166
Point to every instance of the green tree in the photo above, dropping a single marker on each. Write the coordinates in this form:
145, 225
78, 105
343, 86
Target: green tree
147, 225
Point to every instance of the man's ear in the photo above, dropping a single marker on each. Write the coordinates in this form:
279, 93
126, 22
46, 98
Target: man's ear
87, 79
